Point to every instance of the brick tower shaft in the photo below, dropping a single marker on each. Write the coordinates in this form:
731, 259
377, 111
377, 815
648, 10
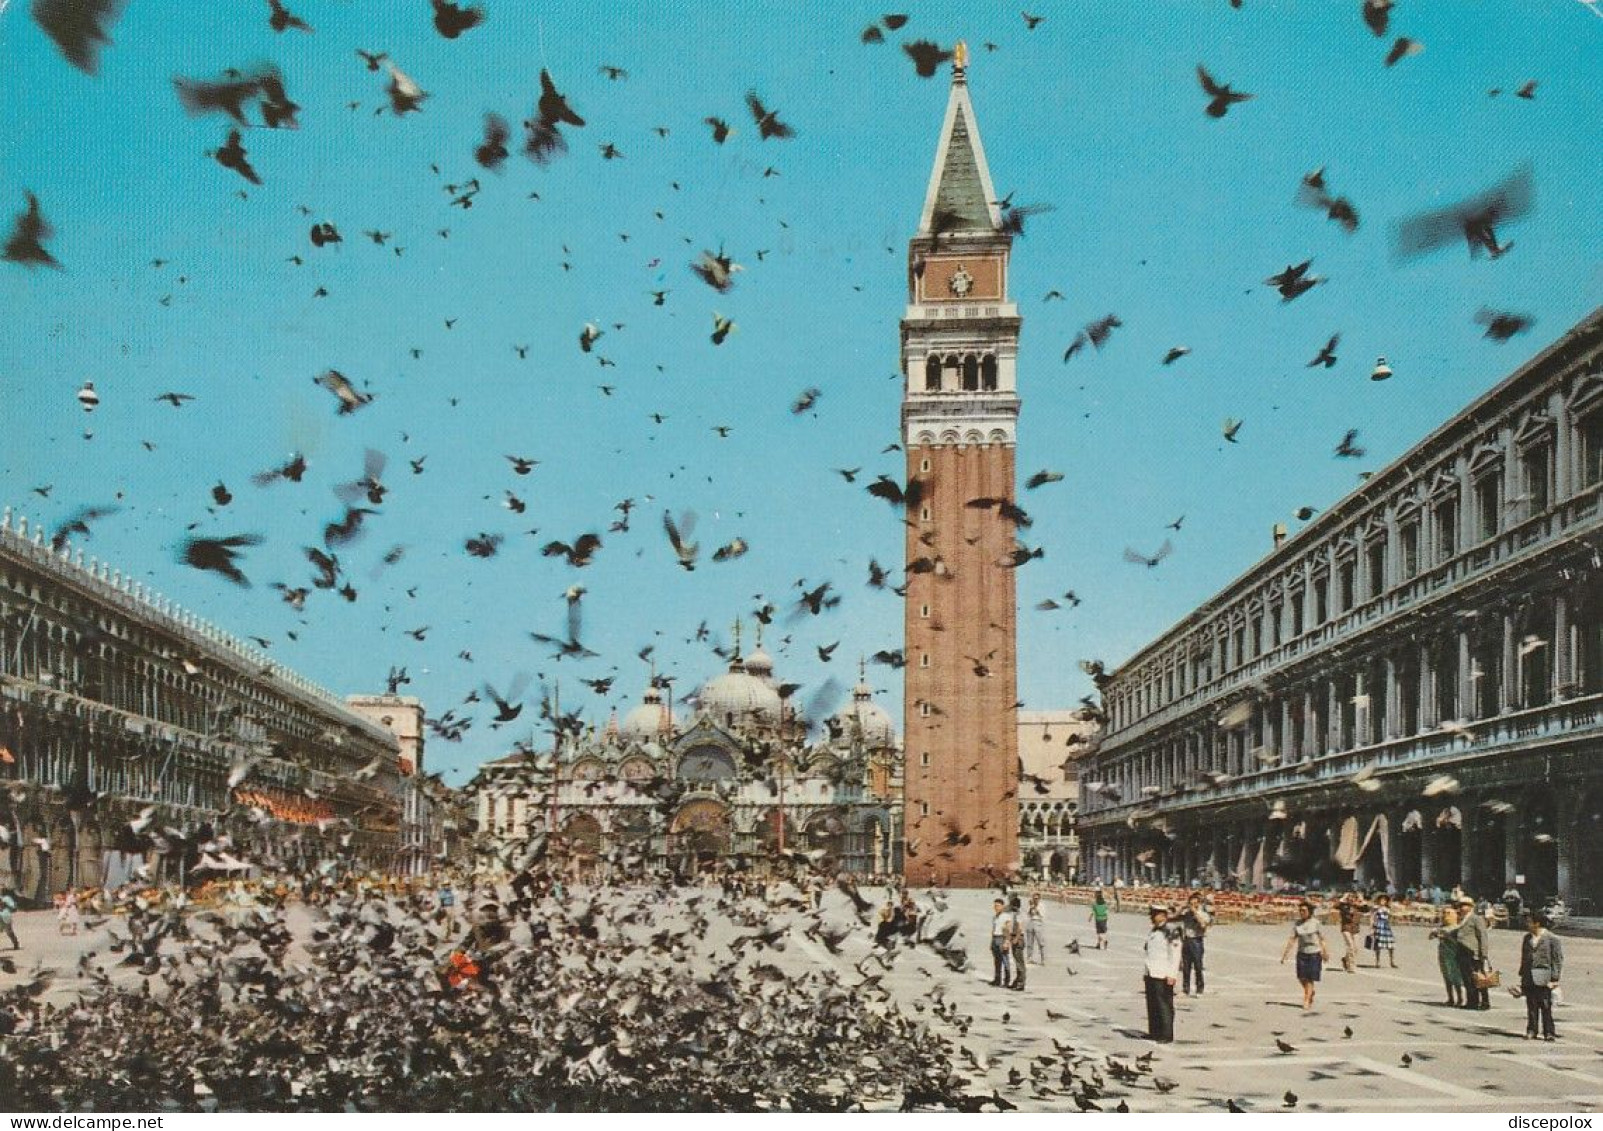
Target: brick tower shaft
959, 414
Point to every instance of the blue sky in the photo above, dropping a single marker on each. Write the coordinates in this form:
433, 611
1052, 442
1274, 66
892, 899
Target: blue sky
1162, 215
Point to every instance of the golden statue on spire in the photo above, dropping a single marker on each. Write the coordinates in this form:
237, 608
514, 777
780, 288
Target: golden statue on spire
960, 57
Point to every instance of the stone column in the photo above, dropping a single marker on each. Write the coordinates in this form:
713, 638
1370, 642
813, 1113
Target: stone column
1428, 719
1467, 703
1287, 740
1508, 515
1332, 716
1560, 646
1511, 846
1569, 865
1466, 845
1362, 710
1392, 724
1310, 734
1563, 454
1509, 686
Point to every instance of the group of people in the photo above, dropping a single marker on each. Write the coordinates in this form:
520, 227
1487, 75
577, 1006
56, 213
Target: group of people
1016, 933
1351, 913
1463, 954
899, 918
1174, 949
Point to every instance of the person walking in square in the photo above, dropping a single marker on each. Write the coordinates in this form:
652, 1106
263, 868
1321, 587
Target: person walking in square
68, 915
1380, 931
1099, 916
1541, 963
1001, 941
8, 908
1447, 956
1016, 943
1474, 943
1194, 924
1035, 930
1351, 911
1161, 968
1311, 953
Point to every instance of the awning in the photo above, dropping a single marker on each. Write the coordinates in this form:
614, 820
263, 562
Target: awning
220, 863
286, 806
1236, 715
1346, 854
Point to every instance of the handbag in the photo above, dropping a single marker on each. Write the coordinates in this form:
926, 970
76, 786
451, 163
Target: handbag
1369, 942
1486, 979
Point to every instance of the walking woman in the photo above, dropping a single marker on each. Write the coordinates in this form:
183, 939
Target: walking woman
1099, 916
1541, 963
1380, 931
1447, 956
8, 908
67, 914
1311, 953
1035, 930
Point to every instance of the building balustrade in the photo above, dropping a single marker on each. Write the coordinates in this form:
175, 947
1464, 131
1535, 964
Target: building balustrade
1514, 547
104, 586
1430, 752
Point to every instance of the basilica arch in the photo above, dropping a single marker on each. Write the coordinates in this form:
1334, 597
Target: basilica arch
701, 829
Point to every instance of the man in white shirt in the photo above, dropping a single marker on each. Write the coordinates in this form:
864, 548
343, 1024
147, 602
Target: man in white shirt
1002, 922
1161, 968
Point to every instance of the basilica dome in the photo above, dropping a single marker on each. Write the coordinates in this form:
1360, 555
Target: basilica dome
738, 696
650, 721
862, 713
761, 664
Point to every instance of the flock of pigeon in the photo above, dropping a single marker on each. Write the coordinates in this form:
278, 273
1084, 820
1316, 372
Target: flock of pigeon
352, 997
256, 97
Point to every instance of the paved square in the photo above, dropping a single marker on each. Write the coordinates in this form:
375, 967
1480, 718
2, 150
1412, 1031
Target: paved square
1085, 1008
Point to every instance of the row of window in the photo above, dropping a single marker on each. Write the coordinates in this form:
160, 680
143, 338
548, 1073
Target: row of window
1356, 708
1425, 537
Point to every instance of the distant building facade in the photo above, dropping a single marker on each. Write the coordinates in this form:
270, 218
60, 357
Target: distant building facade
112, 701
1408, 693
432, 831
1051, 746
737, 784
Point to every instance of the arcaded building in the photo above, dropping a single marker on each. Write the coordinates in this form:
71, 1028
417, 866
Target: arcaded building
114, 701
1407, 693
960, 410
744, 779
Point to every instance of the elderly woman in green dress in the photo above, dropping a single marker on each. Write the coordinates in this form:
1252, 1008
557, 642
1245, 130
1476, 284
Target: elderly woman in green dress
1447, 957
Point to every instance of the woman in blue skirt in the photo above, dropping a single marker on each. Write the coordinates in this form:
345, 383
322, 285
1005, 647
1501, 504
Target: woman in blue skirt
1311, 952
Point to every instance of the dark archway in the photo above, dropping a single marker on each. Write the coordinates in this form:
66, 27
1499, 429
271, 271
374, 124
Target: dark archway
1587, 881
1444, 840
1488, 865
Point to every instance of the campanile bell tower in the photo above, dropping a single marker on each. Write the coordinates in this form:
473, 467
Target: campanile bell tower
960, 409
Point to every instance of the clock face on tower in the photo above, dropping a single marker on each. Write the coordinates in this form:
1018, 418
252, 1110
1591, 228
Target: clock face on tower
961, 282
